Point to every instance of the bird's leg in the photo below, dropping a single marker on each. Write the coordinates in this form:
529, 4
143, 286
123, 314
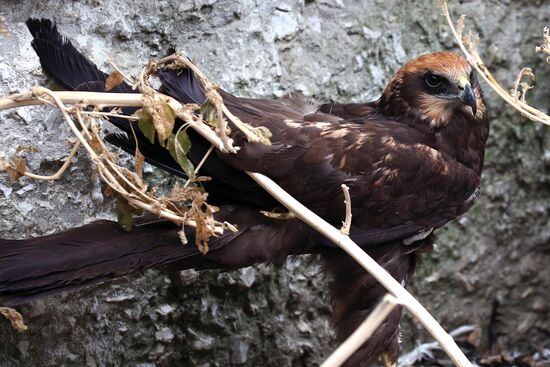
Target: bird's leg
388, 360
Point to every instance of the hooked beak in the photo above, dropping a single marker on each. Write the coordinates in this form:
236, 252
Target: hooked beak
467, 95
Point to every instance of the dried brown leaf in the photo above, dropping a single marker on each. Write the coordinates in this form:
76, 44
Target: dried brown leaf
114, 80
138, 164
3, 164
203, 179
20, 165
26, 149
164, 120
14, 317
96, 144
108, 191
16, 169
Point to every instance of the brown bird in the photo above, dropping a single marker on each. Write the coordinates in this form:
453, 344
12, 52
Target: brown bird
412, 159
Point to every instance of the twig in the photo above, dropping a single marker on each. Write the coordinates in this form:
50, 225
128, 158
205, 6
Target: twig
525, 86
59, 172
362, 333
473, 58
108, 114
346, 225
253, 134
106, 174
111, 61
206, 155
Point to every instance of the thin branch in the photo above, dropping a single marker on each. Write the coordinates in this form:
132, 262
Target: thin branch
469, 49
111, 61
208, 152
362, 333
347, 222
109, 114
92, 98
60, 171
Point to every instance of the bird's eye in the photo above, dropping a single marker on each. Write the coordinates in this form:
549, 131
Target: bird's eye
433, 81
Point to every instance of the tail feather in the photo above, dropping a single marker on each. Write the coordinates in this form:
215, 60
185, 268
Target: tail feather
59, 58
93, 253
355, 293
101, 251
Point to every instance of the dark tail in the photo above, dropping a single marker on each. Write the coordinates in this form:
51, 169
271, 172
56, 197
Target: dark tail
355, 293
93, 253
69, 68
101, 251
59, 58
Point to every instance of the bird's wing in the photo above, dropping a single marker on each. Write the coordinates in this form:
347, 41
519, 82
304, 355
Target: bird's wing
400, 186
351, 112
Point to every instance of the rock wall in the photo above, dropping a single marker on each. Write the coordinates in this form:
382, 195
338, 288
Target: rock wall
491, 268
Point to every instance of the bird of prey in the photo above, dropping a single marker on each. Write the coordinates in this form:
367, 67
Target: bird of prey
412, 160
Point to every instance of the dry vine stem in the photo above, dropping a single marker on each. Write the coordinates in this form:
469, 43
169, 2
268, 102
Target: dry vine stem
516, 98
399, 295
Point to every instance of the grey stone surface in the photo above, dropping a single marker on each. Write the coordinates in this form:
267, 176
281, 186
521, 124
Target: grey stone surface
491, 267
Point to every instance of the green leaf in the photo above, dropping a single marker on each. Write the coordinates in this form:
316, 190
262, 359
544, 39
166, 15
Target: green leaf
145, 124
184, 142
179, 147
209, 114
124, 213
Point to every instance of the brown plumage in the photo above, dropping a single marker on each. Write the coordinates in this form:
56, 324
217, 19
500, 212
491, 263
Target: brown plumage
412, 160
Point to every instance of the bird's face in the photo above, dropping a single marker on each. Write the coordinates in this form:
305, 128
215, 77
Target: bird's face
436, 86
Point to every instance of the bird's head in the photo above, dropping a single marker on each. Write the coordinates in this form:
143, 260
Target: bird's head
434, 87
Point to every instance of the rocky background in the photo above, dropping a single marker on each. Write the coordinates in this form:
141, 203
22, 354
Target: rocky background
492, 265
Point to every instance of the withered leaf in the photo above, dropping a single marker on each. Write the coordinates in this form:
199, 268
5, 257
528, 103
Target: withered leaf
138, 164
178, 148
145, 124
114, 80
108, 191
17, 168
96, 144
164, 121
20, 165
14, 317
124, 213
